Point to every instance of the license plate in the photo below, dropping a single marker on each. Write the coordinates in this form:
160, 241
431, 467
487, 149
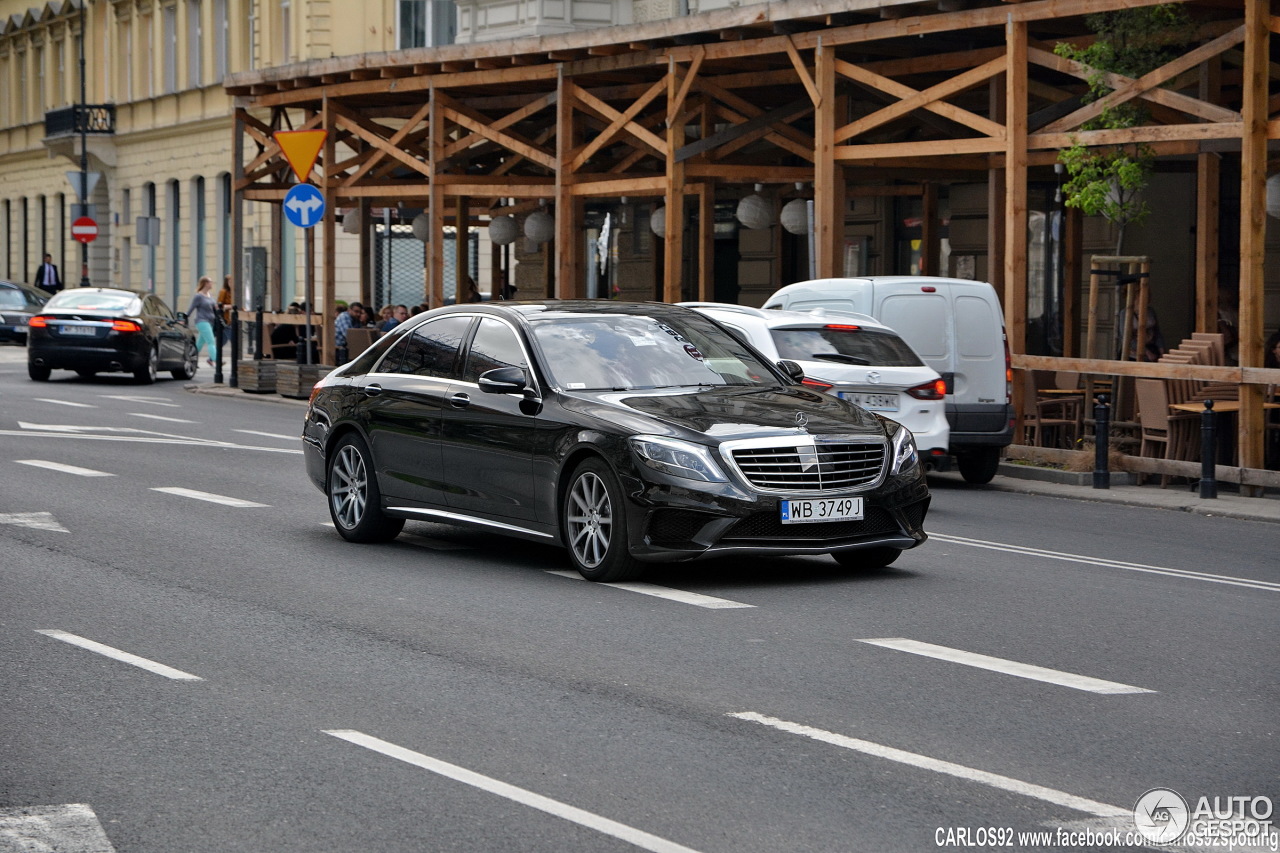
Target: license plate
821, 509
87, 331
873, 402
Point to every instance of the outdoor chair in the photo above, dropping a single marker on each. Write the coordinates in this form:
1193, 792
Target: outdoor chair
1172, 433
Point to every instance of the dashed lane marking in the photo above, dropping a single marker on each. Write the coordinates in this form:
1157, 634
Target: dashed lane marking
70, 828
1008, 667
160, 418
117, 654
603, 825
924, 762
142, 398
65, 469
269, 434
694, 598
207, 496
65, 403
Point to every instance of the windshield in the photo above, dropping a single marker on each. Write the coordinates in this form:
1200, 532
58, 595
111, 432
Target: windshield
845, 346
625, 352
81, 300
13, 299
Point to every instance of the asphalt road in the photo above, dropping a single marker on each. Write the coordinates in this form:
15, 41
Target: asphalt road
1038, 664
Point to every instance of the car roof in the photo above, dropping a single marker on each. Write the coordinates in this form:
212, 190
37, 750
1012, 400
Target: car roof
775, 319
533, 309
884, 280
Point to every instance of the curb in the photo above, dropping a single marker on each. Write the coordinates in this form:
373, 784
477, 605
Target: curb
225, 391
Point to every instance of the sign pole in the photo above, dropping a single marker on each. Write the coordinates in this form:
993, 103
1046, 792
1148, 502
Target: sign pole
84, 149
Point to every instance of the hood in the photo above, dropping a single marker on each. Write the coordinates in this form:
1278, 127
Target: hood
718, 414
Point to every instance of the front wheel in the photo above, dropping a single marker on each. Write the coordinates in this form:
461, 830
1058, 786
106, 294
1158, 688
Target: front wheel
146, 374
979, 466
595, 525
355, 504
867, 558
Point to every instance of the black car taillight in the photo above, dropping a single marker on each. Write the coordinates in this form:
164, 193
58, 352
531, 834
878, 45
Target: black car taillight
126, 326
935, 390
39, 321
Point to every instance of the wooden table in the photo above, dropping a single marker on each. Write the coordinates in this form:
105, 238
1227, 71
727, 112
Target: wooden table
1225, 407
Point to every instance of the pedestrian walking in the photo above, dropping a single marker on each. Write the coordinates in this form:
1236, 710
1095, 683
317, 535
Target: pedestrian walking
46, 277
202, 311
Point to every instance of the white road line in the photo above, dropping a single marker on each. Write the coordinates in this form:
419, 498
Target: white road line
1008, 667
65, 469
1102, 561
269, 434
70, 828
123, 657
924, 762
138, 398
137, 436
65, 403
206, 496
556, 808
694, 598
160, 418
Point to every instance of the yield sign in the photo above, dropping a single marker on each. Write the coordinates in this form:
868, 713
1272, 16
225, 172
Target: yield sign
84, 229
300, 148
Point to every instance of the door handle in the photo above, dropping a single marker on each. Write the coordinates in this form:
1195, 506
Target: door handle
372, 390
459, 401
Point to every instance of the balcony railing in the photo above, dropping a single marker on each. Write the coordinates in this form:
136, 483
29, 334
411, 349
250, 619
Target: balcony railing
91, 118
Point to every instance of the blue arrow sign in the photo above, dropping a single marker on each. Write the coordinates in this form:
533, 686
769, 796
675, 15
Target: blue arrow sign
304, 205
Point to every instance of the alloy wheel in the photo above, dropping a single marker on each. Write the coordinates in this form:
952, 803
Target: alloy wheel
348, 486
590, 519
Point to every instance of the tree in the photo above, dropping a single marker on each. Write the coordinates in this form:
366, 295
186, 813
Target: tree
1108, 182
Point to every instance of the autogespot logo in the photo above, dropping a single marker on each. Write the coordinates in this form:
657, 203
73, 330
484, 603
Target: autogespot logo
1161, 815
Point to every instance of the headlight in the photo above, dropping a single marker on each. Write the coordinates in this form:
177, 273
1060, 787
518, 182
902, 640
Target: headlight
905, 456
677, 458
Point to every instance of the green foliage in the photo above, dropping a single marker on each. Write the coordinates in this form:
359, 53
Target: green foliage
1130, 42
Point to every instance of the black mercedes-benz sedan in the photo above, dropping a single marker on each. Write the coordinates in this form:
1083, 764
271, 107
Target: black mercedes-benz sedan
625, 432
95, 329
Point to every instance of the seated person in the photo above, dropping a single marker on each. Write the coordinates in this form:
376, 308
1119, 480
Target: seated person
285, 337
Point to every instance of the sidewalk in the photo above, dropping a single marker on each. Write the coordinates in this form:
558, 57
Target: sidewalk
1010, 478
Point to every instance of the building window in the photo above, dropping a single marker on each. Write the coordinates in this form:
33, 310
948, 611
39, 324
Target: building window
149, 202
221, 61
58, 96
286, 33
224, 222
198, 223
174, 204
126, 244
426, 23
21, 117
42, 96
170, 47
148, 53
195, 45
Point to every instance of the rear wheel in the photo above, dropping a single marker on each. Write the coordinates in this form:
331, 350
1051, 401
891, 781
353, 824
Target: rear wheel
355, 504
866, 558
595, 525
979, 466
39, 374
189, 364
146, 374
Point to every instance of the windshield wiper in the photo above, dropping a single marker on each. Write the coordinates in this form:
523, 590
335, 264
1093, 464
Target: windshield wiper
840, 357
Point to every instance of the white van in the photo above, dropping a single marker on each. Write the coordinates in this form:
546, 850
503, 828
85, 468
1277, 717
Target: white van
957, 327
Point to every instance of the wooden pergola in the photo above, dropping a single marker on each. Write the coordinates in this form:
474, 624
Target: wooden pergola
850, 97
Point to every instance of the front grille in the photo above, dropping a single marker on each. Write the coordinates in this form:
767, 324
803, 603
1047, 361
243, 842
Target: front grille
915, 513
814, 467
767, 525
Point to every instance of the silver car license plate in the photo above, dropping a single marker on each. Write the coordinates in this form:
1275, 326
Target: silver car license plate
86, 331
872, 402
821, 509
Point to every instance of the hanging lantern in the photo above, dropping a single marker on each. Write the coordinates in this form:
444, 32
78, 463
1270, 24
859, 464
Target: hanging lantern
351, 222
658, 222
540, 227
1273, 196
795, 216
422, 227
503, 230
755, 212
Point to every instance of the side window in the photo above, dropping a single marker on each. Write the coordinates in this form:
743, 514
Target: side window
432, 350
495, 345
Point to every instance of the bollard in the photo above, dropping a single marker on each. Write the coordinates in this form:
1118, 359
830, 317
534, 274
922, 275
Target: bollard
1208, 451
235, 347
218, 327
1101, 442
257, 334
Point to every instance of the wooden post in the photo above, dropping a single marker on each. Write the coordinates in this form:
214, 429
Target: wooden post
271, 302
996, 198
567, 246
462, 249
1208, 185
1253, 229
435, 202
673, 256
930, 241
1091, 330
366, 252
1071, 275
707, 240
1015, 190
828, 177
329, 355
237, 210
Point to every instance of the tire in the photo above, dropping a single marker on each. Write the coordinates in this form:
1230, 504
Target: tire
39, 374
867, 558
979, 466
355, 504
190, 363
86, 373
146, 374
594, 523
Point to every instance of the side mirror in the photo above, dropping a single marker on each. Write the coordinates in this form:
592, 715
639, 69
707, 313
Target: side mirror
503, 380
794, 371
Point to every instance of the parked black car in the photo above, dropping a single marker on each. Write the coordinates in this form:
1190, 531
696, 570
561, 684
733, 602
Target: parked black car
95, 329
17, 303
626, 432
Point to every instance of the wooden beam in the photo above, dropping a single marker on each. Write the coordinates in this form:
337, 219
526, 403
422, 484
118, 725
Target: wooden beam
329, 249
674, 106
673, 243
802, 71
828, 176
567, 269
898, 90
761, 123
930, 148
932, 95
1158, 133
706, 241
1015, 190
434, 273
607, 135
641, 133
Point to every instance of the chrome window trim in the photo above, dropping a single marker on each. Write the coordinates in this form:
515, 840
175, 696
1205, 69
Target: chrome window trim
799, 441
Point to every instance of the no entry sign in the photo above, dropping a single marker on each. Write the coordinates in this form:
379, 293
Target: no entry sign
84, 229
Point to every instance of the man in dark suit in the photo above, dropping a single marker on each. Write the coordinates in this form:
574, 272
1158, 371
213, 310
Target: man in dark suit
46, 277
